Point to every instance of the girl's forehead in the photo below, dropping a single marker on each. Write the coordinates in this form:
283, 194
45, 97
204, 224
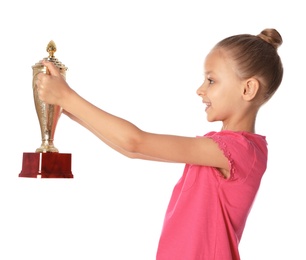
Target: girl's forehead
217, 61
215, 58
216, 53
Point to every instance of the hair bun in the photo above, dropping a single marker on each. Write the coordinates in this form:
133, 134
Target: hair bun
271, 36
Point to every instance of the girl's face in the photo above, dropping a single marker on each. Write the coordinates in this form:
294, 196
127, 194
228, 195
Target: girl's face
221, 89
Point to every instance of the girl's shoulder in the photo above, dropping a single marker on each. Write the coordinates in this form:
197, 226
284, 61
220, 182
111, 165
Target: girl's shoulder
237, 135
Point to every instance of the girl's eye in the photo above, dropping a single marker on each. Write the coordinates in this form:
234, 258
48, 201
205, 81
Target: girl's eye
210, 81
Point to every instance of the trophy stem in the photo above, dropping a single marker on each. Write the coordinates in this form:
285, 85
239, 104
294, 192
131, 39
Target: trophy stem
48, 116
47, 146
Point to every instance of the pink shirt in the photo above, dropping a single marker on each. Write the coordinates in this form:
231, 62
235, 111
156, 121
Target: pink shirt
206, 214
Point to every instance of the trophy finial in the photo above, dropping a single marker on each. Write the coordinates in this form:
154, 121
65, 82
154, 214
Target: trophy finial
51, 48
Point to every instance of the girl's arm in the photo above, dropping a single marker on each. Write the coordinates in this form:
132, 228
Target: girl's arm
122, 135
117, 148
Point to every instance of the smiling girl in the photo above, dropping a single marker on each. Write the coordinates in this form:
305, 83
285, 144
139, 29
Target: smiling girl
210, 203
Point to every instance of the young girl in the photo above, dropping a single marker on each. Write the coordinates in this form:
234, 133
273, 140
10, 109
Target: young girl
210, 204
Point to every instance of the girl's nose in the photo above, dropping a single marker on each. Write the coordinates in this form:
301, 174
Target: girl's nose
201, 90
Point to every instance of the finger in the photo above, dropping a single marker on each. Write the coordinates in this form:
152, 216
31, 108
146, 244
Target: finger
39, 77
53, 70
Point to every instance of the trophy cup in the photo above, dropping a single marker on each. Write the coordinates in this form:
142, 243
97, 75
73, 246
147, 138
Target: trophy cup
47, 162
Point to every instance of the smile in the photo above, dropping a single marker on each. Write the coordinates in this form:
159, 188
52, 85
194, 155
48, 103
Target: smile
208, 104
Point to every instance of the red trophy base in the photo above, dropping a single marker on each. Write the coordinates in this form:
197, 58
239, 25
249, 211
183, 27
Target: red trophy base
46, 165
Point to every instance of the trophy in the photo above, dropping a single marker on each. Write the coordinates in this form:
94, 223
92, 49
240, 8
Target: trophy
47, 162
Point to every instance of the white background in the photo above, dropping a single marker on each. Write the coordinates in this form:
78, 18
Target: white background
140, 60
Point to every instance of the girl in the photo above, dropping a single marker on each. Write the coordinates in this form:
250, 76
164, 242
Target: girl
210, 204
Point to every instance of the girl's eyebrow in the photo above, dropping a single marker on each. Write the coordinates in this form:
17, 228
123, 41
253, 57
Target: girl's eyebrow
210, 72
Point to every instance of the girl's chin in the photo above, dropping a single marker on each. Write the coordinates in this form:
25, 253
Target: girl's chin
210, 119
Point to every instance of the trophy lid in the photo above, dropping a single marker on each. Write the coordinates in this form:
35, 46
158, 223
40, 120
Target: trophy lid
51, 49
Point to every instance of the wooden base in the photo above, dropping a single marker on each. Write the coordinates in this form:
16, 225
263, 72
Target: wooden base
46, 165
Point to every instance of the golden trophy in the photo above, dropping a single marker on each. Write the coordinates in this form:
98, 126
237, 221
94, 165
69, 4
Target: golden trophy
47, 162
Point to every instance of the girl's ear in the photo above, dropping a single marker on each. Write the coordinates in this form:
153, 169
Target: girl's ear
250, 89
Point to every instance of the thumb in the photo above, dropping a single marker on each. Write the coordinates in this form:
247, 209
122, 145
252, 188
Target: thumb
53, 70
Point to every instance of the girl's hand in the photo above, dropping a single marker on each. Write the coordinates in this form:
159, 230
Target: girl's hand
52, 88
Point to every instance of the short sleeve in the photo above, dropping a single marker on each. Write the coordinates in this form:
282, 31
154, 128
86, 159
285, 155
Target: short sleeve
246, 153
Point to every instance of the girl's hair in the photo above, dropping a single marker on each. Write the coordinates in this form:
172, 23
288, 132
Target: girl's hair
256, 56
